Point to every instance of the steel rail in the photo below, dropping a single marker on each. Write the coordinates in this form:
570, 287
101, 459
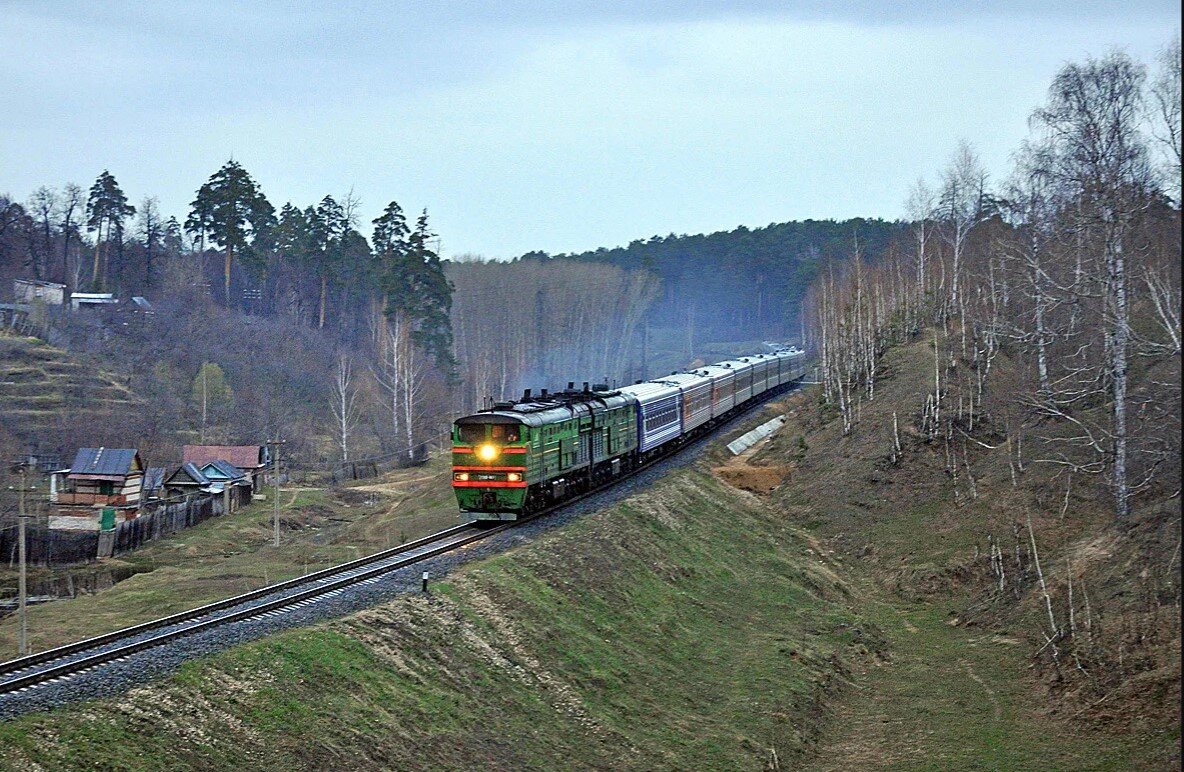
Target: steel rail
85, 663
38, 658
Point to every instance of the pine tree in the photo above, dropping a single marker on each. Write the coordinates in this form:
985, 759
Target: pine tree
327, 226
412, 280
232, 211
106, 209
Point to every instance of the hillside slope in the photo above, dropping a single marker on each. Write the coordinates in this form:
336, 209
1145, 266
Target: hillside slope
921, 530
52, 397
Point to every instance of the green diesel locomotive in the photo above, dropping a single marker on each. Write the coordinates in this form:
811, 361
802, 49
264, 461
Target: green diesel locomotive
521, 457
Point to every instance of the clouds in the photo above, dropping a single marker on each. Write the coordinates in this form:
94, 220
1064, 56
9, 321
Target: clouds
559, 126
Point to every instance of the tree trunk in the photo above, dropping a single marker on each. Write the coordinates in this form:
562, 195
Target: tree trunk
94, 273
229, 257
324, 292
1118, 367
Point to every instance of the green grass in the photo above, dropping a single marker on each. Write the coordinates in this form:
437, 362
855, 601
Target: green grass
632, 639
233, 554
962, 698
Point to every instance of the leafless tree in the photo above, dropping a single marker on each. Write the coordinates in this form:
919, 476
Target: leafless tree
920, 209
44, 204
961, 210
400, 370
344, 403
1165, 114
73, 202
1094, 152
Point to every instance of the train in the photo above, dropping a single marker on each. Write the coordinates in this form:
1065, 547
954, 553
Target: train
515, 459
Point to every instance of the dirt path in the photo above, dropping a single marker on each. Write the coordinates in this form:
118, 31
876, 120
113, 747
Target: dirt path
949, 698
395, 486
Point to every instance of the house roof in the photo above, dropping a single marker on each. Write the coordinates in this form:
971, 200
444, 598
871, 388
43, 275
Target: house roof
221, 468
241, 456
153, 478
192, 472
106, 462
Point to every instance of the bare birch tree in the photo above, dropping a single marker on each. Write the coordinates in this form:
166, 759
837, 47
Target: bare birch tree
1095, 152
344, 403
1165, 114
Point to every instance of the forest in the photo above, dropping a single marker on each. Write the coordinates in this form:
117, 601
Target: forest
357, 339
1051, 303
742, 284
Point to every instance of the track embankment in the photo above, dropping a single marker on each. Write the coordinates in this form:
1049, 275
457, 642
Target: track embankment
682, 627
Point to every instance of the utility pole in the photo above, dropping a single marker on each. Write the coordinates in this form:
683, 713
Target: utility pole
275, 449
22, 469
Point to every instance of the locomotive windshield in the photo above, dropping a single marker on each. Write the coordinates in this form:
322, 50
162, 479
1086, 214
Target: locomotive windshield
505, 433
471, 433
498, 432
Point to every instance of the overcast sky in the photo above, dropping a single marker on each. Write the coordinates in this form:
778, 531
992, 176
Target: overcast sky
556, 126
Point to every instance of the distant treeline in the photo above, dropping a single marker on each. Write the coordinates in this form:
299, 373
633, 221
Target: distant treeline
745, 283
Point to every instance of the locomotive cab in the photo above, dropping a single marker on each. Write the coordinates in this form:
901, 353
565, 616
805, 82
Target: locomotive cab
489, 454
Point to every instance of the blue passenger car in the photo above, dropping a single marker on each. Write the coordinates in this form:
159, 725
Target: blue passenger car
659, 417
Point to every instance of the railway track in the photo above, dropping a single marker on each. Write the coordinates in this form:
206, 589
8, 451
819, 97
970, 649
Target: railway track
61, 662
54, 665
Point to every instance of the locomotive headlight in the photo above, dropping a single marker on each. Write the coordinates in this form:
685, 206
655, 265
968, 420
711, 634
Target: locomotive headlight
514, 477
461, 477
487, 452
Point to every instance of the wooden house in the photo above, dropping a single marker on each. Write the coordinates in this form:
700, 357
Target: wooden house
251, 459
187, 479
99, 478
48, 292
222, 471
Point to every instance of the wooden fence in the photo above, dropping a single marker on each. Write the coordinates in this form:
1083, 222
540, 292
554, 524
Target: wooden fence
158, 518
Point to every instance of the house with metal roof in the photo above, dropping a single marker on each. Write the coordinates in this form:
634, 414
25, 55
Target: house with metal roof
188, 478
251, 459
222, 471
99, 478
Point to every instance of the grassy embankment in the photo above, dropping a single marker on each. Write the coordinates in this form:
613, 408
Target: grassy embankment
687, 627
230, 555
